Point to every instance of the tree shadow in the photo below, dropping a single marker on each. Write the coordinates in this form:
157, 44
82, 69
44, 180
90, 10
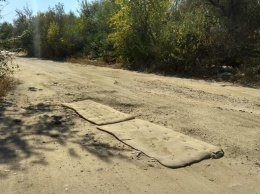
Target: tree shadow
30, 132
104, 151
15, 136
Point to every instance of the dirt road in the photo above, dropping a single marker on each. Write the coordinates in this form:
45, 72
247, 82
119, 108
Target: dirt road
47, 148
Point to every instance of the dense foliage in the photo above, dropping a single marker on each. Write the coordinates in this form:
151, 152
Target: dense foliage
7, 66
199, 38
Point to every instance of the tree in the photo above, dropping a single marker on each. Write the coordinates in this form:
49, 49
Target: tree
6, 30
200, 36
95, 28
136, 27
174, 36
23, 29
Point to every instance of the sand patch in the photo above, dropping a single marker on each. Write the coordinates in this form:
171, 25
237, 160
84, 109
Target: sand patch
170, 148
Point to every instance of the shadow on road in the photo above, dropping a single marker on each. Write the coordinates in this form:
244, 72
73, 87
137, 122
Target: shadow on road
30, 132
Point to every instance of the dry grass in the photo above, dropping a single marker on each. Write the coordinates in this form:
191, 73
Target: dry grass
248, 81
99, 63
6, 84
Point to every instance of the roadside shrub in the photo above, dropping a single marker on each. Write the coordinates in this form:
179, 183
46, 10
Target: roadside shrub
7, 67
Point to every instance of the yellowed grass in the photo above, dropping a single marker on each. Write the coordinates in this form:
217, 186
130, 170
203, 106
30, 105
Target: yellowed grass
6, 84
99, 63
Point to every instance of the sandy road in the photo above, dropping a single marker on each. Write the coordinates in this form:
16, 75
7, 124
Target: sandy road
46, 148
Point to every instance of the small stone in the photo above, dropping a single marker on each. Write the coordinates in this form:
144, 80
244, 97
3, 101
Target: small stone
57, 117
17, 121
138, 154
57, 122
99, 169
54, 135
33, 89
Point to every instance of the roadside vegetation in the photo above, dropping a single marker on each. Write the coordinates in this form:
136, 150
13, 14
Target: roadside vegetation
7, 66
202, 38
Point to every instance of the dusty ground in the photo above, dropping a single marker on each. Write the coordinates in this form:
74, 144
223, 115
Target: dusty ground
46, 148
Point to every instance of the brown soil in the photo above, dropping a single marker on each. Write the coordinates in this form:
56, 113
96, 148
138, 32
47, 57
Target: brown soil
47, 148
